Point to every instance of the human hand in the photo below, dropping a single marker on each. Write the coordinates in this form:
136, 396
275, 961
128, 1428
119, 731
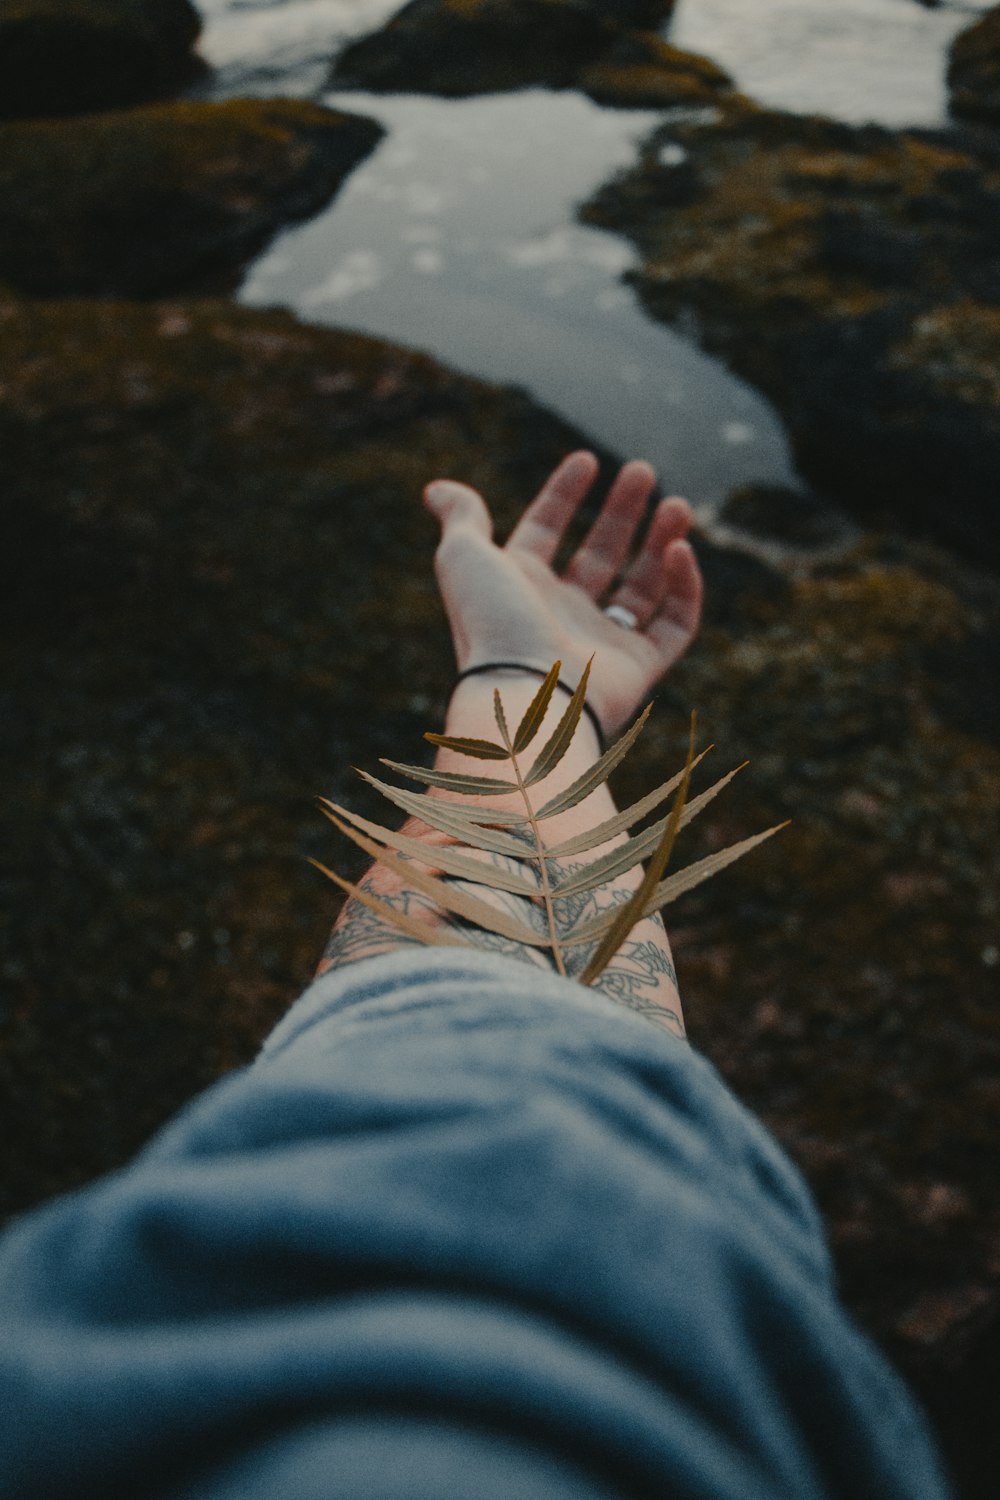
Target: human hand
505, 603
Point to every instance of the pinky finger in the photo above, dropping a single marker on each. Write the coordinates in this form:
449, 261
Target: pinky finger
674, 626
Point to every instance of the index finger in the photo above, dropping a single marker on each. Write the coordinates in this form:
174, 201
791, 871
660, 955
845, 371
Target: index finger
546, 520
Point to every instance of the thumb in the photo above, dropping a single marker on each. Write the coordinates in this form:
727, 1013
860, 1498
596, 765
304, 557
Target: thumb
458, 507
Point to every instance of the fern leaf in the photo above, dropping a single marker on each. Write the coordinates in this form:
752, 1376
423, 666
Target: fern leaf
554, 750
449, 860
628, 914
478, 749
703, 869
493, 918
622, 821
598, 772
471, 824
453, 781
424, 932
536, 710
618, 860
676, 885
501, 719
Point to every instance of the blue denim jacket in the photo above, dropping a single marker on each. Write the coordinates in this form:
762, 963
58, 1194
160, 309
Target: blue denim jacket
463, 1231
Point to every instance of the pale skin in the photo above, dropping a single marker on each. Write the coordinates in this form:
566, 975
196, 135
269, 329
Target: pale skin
506, 602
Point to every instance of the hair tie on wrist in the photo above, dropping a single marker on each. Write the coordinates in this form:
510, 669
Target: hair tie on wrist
519, 666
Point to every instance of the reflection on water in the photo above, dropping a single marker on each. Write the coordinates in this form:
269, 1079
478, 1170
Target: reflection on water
458, 236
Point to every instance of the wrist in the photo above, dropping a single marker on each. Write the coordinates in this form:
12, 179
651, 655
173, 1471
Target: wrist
493, 674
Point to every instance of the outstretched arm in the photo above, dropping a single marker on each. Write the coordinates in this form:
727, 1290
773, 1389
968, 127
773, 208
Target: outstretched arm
506, 603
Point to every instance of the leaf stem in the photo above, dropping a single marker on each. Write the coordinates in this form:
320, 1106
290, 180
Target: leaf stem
539, 846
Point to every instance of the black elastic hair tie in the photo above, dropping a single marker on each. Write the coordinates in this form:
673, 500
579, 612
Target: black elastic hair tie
519, 666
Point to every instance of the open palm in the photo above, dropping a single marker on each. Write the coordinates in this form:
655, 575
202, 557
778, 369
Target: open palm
506, 603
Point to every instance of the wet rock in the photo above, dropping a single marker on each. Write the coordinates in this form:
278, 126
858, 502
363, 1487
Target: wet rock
641, 71
462, 47
974, 70
851, 274
67, 57
174, 196
777, 513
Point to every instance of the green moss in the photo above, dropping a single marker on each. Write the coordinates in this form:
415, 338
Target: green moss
150, 200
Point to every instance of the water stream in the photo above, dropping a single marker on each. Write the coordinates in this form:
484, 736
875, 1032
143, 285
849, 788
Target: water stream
459, 234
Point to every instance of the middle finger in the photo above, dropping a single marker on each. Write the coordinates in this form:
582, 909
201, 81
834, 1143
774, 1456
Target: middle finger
604, 550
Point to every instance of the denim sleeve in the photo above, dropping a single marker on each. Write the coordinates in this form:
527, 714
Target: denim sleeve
464, 1231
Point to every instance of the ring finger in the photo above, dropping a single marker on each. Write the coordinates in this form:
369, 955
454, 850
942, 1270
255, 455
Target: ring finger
643, 586
600, 556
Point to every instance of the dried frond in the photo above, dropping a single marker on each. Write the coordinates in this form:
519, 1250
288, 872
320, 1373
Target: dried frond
517, 878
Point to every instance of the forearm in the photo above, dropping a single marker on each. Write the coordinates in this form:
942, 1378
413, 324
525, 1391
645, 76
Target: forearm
640, 976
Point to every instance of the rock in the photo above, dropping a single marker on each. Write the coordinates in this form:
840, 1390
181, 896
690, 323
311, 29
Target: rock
776, 513
974, 69
642, 71
67, 57
461, 47
851, 274
150, 201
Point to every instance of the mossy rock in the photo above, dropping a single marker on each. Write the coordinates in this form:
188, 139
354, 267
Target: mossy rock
974, 70
851, 274
167, 197
642, 71
462, 47
67, 57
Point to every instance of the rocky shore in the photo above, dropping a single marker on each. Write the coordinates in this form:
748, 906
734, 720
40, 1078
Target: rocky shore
216, 577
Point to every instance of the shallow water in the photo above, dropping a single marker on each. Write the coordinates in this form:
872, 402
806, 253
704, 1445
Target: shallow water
459, 235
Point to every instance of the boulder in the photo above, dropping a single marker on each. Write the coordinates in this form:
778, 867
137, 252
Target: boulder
461, 47
642, 71
67, 57
851, 274
974, 70
150, 201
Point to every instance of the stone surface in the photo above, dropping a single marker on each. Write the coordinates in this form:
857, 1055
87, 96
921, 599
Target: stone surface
461, 47
852, 275
215, 576
974, 70
777, 513
642, 71
67, 57
167, 197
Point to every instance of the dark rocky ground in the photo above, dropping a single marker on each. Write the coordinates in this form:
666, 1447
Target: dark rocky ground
215, 576
65, 57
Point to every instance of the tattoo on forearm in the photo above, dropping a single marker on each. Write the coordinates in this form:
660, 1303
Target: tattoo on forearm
641, 975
